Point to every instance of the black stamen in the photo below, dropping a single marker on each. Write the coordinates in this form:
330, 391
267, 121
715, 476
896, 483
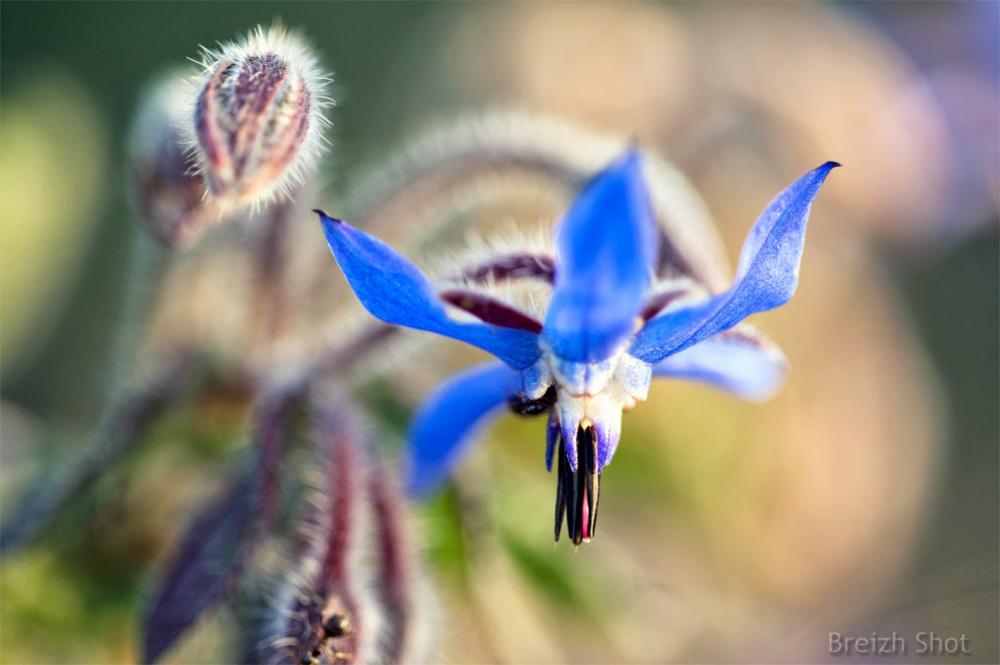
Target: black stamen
533, 407
590, 497
588, 453
578, 490
562, 473
597, 505
337, 625
576, 506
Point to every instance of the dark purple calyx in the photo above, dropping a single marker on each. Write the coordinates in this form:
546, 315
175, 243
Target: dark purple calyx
671, 259
658, 302
490, 310
514, 266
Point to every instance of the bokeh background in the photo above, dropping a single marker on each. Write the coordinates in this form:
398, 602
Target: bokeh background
863, 498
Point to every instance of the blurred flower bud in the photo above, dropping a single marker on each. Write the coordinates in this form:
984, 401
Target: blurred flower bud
258, 116
169, 194
351, 589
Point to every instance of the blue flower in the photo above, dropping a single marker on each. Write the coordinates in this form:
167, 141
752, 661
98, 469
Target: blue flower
610, 326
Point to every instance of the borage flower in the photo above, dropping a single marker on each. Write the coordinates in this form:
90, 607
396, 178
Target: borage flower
610, 326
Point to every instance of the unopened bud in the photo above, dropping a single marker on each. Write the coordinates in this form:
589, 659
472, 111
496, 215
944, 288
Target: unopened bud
258, 116
170, 195
352, 590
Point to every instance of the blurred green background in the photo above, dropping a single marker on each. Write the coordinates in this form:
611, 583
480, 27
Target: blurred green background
864, 498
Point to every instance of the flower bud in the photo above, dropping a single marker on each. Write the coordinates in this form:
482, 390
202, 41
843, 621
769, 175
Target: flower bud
351, 589
258, 116
170, 195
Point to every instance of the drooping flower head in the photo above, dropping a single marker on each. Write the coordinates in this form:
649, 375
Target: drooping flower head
610, 326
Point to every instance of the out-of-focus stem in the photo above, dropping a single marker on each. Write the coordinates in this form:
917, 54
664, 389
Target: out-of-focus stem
422, 184
148, 262
367, 341
221, 542
271, 439
270, 266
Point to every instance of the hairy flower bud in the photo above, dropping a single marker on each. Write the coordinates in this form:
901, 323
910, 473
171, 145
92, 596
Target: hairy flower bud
169, 194
258, 116
351, 590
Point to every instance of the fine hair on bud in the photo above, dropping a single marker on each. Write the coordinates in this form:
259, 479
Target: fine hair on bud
258, 116
325, 609
350, 588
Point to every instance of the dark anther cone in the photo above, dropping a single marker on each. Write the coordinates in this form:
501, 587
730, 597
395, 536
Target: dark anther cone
578, 492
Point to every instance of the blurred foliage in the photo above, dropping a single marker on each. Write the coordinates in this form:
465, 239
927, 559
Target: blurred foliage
49, 125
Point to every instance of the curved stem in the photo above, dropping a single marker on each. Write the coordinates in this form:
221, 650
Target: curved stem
425, 181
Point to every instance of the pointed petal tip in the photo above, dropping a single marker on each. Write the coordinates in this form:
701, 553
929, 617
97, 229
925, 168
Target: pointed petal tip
767, 275
630, 161
326, 220
819, 174
607, 444
626, 166
394, 290
823, 170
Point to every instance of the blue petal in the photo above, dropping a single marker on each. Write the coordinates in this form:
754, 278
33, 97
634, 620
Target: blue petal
766, 277
746, 366
608, 436
606, 250
394, 290
443, 427
568, 429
